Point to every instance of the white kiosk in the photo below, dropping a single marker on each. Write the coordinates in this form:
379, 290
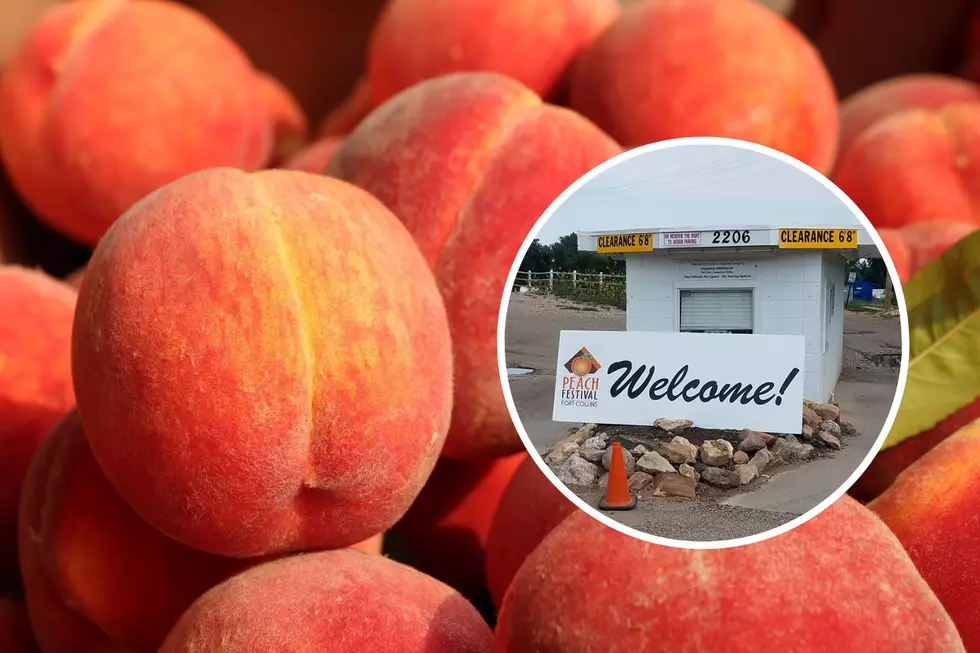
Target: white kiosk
768, 279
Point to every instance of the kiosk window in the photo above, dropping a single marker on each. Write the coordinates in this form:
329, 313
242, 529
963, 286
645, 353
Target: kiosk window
716, 311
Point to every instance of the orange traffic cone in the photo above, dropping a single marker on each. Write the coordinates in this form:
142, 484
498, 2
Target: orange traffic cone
618, 495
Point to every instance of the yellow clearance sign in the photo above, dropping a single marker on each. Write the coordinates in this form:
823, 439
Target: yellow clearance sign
620, 243
818, 238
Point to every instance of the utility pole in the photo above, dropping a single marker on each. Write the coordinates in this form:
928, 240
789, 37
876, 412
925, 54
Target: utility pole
888, 291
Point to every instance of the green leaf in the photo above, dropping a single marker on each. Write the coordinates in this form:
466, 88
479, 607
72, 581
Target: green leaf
943, 303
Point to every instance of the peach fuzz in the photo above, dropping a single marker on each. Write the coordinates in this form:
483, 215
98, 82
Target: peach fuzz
931, 508
107, 100
35, 383
446, 528
289, 124
919, 91
315, 156
531, 41
280, 381
330, 602
669, 69
839, 582
15, 629
530, 508
916, 166
438, 156
91, 561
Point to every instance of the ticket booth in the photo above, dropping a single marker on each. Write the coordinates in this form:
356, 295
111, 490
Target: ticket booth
780, 280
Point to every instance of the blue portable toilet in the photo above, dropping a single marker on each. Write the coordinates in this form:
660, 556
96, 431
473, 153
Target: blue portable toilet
863, 291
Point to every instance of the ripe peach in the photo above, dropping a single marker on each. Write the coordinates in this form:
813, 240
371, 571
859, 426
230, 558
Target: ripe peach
916, 166
35, 382
588, 587
15, 629
528, 510
446, 529
289, 123
928, 240
899, 250
349, 113
920, 91
107, 100
315, 157
482, 132
18, 16
330, 602
91, 561
531, 41
931, 508
280, 381
668, 69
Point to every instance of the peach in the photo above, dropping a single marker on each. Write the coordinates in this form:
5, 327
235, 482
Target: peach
280, 381
668, 69
928, 240
899, 250
84, 547
15, 629
289, 123
107, 100
888, 464
35, 383
446, 529
315, 156
530, 508
438, 156
840, 582
920, 91
932, 509
330, 602
916, 165
531, 41
348, 114
75, 278
18, 16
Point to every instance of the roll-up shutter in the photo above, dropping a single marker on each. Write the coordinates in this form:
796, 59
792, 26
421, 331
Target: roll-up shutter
716, 311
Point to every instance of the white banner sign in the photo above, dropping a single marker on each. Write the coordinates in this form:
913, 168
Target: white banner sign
713, 270
720, 381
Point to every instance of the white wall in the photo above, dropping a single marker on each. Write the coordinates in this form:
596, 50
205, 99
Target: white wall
789, 299
835, 272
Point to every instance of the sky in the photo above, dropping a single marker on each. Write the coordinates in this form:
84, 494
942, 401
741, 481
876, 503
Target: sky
698, 185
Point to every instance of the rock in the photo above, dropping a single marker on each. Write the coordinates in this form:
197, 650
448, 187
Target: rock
848, 430
653, 463
699, 467
810, 416
561, 451
674, 485
679, 451
638, 451
826, 411
716, 453
638, 481
596, 442
592, 455
740, 458
767, 438
627, 458
831, 427
582, 434
578, 471
828, 439
752, 443
806, 452
788, 448
604, 481
746, 473
688, 471
807, 432
673, 426
721, 478
761, 458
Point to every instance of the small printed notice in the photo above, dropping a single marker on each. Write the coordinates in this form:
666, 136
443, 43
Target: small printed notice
717, 270
682, 239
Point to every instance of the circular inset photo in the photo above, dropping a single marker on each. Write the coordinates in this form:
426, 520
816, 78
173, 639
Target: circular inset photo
704, 343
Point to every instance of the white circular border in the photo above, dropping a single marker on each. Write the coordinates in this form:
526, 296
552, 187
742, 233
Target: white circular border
505, 381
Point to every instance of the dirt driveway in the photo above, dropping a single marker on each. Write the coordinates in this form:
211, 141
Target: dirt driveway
865, 392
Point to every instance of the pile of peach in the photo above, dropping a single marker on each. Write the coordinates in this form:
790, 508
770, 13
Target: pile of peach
280, 360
